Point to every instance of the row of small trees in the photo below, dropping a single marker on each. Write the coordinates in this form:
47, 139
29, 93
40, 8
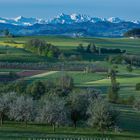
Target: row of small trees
125, 59
69, 66
93, 49
61, 86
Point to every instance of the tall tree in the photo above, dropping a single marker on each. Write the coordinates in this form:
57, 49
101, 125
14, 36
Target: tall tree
113, 90
80, 48
91, 48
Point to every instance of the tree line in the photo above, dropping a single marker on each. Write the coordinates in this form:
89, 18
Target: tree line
93, 49
133, 33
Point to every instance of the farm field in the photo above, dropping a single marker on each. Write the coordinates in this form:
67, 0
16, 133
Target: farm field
100, 80
15, 60
66, 43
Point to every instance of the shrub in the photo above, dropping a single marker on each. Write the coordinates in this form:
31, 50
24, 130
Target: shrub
137, 105
138, 86
129, 68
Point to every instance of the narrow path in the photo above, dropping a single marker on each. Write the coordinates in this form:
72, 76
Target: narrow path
43, 74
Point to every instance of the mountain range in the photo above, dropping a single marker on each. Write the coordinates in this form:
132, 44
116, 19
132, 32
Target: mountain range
70, 25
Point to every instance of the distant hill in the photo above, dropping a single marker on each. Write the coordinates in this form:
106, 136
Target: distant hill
133, 33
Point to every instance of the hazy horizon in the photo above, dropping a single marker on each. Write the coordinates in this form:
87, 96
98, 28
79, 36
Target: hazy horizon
126, 9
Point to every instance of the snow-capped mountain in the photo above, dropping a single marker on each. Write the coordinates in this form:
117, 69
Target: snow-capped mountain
97, 19
69, 19
62, 19
69, 25
27, 21
22, 21
115, 20
136, 21
79, 18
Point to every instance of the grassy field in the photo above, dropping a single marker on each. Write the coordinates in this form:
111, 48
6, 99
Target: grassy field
12, 131
127, 80
66, 43
15, 54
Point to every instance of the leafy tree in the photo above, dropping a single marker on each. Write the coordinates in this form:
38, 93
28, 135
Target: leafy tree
20, 86
62, 57
115, 59
78, 105
22, 109
64, 84
75, 57
133, 33
36, 89
13, 75
78, 102
131, 100
53, 111
113, 90
91, 48
80, 48
65, 81
50, 54
138, 86
129, 68
113, 95
35, 45
101, 115
42, 48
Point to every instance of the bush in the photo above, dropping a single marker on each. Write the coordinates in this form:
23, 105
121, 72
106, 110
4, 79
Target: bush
13, 75
137, 105
138, 86
129, 68
36, 89
128, 101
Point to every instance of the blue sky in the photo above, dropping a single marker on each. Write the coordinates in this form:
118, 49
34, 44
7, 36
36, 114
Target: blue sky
126, 9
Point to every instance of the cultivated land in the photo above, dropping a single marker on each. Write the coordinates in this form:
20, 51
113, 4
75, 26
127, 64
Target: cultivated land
12, 51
